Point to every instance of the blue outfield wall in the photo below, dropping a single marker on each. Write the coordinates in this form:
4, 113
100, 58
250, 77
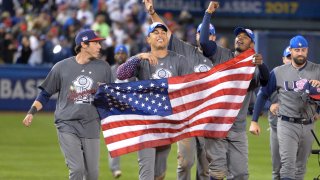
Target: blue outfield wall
19, 87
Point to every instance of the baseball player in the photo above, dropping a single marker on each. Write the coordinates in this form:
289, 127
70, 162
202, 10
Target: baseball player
120, 56
156, 64
273, 119
296, 111
190, 147
228, 157
76, 79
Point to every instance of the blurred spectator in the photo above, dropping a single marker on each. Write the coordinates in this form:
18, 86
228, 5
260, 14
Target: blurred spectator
9, 48
24, 51
73, 4
41, 23
103, 10
119, 21
110, 46
114, 10
101, 26
71, 21
47, 49
18, 17
63, 13
7, 6
187, 27
2, 34
62, 50
84, 14
223, 42
36, 47
170, 22
6, 19
119, 33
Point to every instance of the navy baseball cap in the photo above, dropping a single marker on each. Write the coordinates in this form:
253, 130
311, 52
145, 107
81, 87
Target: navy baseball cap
287, 52
120, 48
298, 42
212, 30
87, 35
249, 32
155, 25
313, 92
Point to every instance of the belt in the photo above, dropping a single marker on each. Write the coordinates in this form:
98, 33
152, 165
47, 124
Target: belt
297, 120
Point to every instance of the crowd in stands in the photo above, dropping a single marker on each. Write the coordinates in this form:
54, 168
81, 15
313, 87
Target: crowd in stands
42, 32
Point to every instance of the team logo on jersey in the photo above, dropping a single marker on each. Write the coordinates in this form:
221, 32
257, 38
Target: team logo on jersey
161, 73
297, 86
81, 90
201, 68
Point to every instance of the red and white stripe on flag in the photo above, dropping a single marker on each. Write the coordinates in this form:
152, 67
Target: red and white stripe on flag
203, 104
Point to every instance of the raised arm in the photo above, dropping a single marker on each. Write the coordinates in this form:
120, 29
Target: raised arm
208, 47
153, 14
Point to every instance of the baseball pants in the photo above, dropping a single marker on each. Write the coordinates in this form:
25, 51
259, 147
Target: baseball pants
187, 149
81, 156
114, 163
295, 144
153, 162
228, 157
274, 147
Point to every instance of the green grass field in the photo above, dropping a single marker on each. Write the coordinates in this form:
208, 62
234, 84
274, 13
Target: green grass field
33, 153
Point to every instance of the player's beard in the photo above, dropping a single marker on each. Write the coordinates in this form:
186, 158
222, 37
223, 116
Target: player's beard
300, 60
121, 60
238, 49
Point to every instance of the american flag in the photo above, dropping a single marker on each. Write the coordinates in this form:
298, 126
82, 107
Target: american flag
152, 113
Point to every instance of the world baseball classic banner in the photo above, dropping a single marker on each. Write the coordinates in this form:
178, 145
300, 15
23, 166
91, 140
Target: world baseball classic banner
152, 113
291, 9
19, 87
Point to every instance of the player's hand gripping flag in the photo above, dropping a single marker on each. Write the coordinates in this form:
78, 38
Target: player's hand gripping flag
151, 113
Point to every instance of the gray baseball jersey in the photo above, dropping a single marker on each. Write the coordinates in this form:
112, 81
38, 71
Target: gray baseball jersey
171, 65
193, 55
239, 125
288, 80
295, 141
76, 85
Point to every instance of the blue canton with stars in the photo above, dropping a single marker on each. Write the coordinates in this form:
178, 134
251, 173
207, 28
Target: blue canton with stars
149, 97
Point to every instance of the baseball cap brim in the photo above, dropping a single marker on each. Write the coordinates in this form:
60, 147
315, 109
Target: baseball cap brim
97, 39
315, 97
287, 52
238, 30
157, 25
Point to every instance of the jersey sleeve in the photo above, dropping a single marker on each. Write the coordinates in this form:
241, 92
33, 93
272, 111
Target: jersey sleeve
128, 69
52, 83
208, 47
263, 74
258, 105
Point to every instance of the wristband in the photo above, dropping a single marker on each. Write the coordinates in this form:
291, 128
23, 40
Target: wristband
33, 110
